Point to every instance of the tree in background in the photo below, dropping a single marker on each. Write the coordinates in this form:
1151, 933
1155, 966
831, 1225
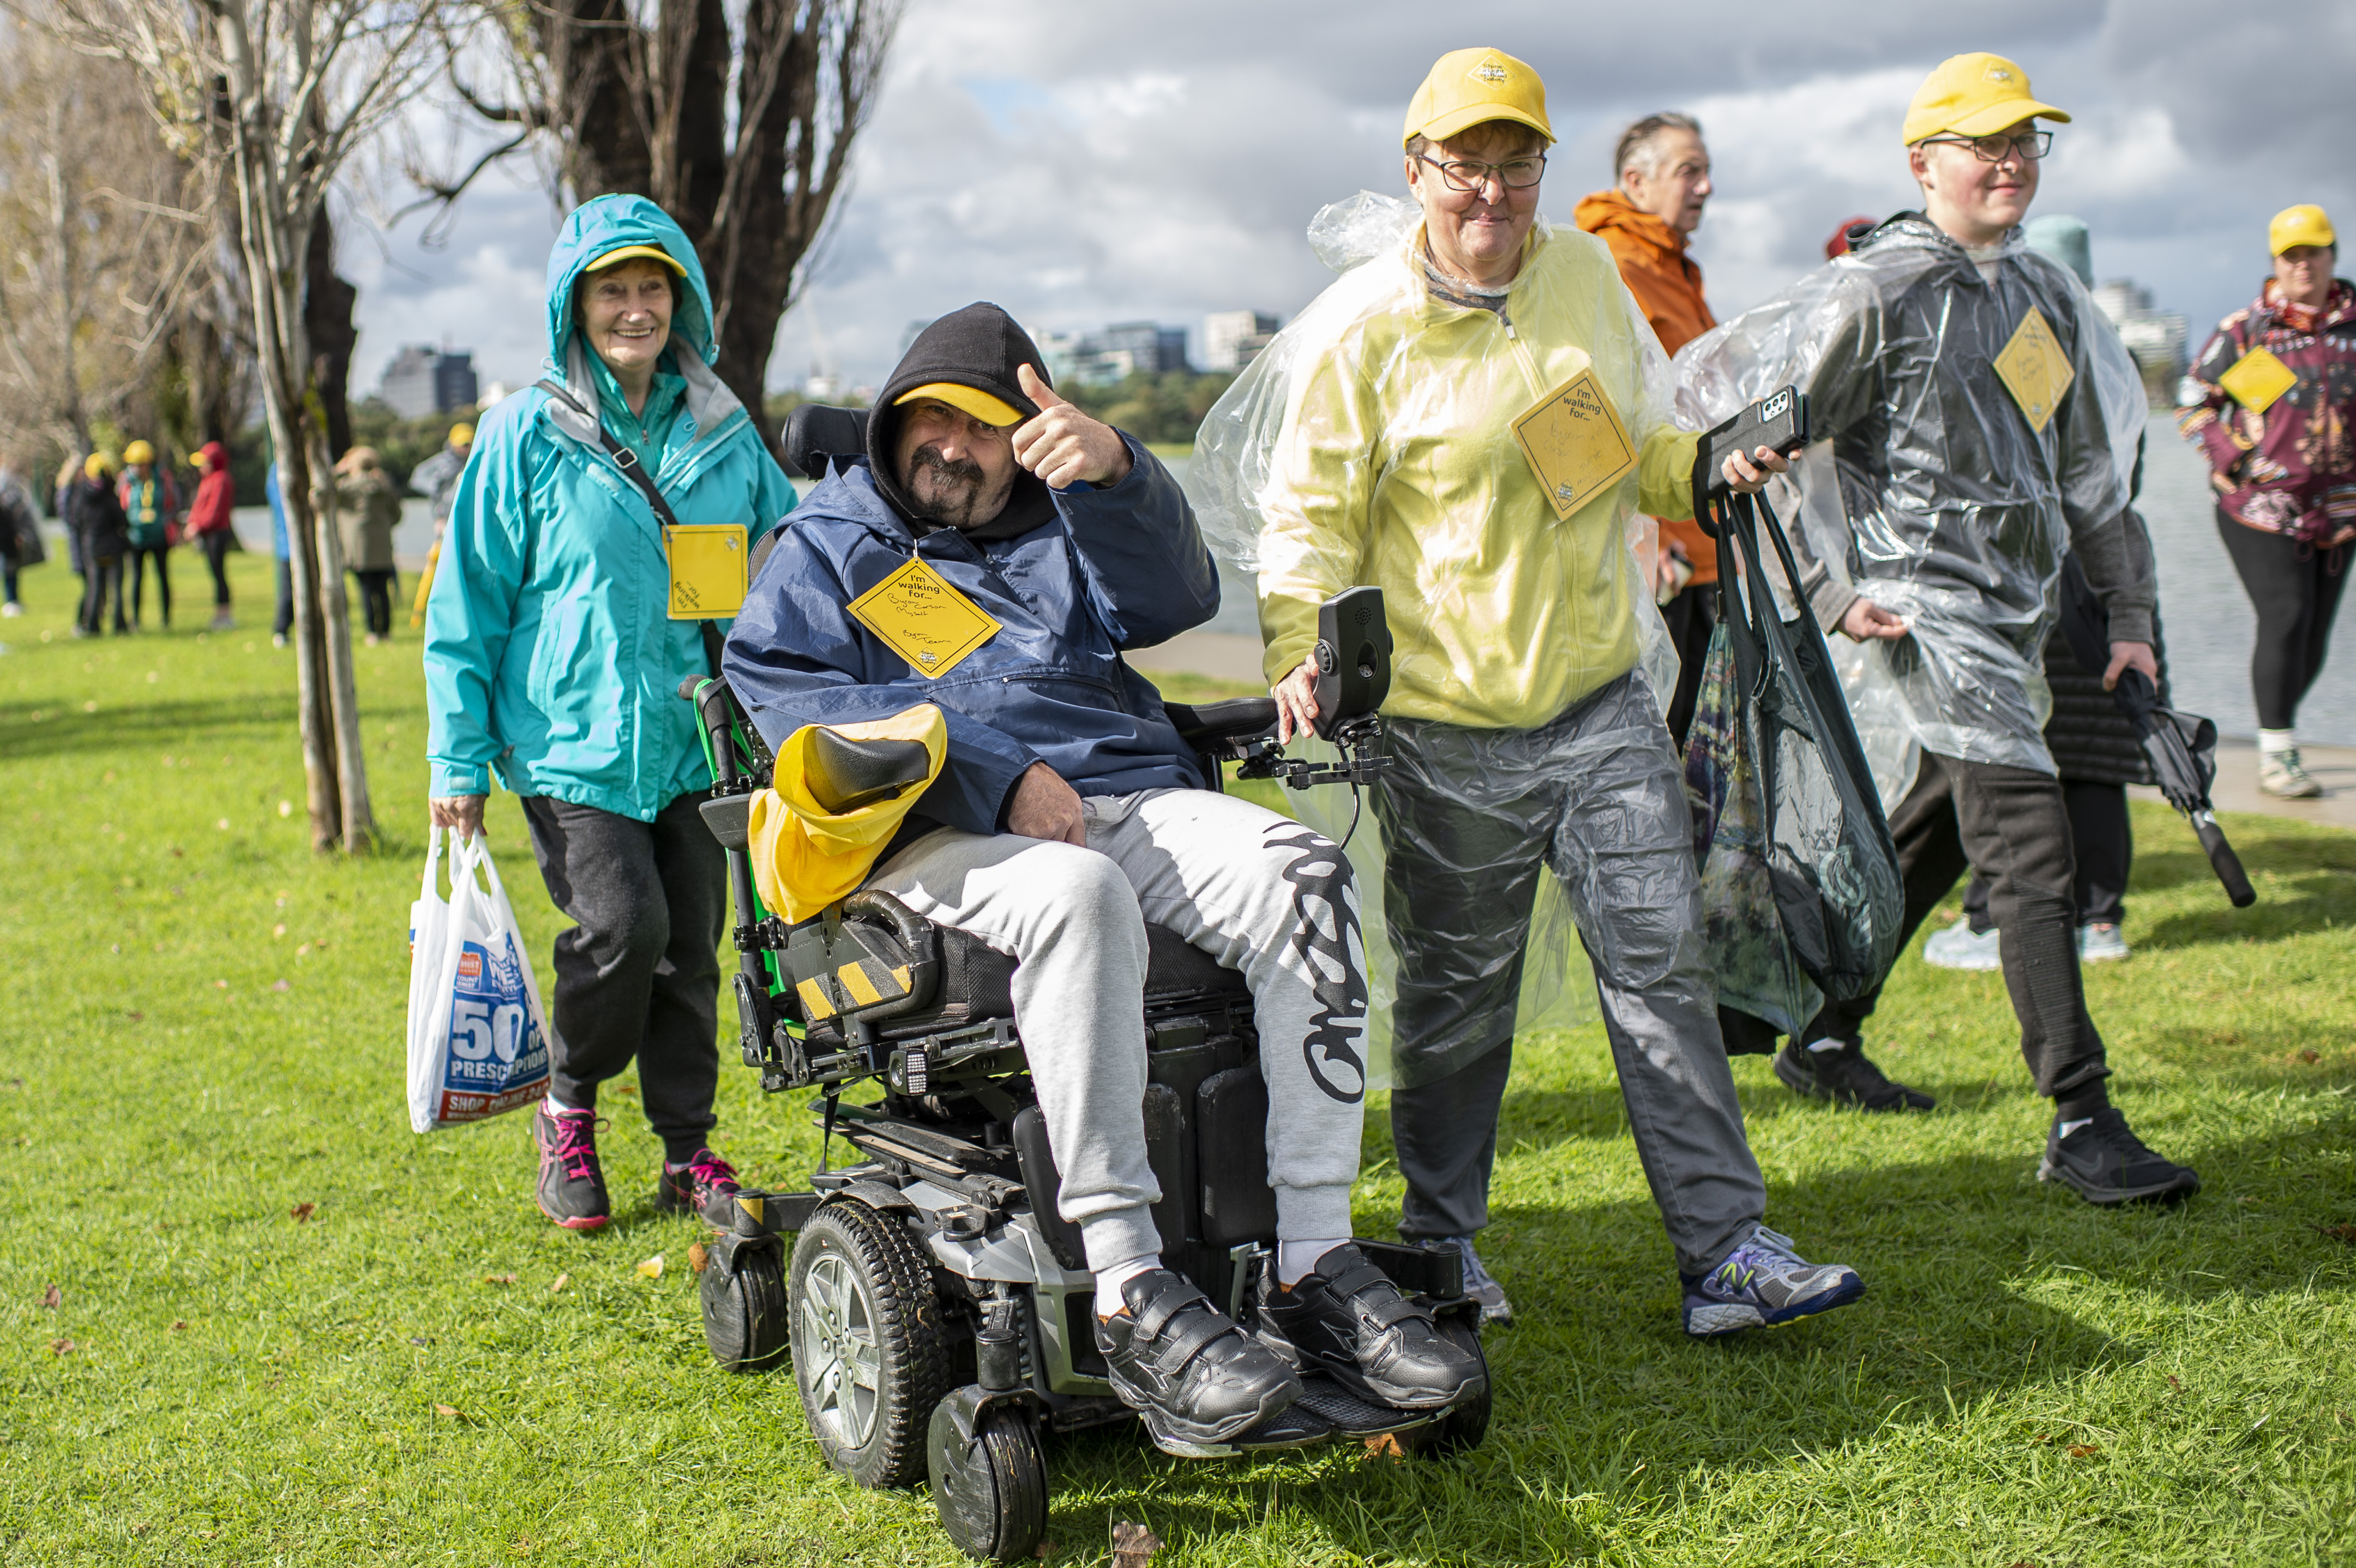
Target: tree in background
279, 95
103, 235
1165, 409
737, 117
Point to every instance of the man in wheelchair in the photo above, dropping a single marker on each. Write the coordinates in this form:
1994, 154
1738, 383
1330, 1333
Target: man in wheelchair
993, 555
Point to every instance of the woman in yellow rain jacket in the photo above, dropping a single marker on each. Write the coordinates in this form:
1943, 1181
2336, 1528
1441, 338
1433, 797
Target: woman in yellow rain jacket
1468, 420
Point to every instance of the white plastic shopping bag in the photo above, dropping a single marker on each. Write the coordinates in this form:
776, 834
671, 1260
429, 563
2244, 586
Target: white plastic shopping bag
477, 1034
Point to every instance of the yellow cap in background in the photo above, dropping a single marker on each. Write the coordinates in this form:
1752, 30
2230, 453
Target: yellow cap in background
1468, 87
98, 465
966, 400
1973, 95
2306, 224
139, 452
461, 435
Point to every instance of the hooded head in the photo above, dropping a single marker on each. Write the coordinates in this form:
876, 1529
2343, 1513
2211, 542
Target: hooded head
966, 361
592, 232
212, 457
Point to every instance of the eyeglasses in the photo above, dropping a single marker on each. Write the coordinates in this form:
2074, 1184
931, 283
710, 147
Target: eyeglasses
1513, 173
2029, 145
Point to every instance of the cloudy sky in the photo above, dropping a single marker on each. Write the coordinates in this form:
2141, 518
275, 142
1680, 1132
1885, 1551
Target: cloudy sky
1082, 163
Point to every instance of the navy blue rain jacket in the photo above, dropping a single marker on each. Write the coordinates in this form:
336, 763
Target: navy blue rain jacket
1114, 569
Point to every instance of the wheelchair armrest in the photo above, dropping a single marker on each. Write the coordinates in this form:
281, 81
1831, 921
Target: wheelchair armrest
1201, 724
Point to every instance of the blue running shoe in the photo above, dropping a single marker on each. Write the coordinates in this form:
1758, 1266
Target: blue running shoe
1763, 1282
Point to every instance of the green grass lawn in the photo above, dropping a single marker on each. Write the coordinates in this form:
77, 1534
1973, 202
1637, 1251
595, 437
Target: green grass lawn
290, 1330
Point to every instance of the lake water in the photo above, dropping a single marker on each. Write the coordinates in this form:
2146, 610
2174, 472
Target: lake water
2206, 618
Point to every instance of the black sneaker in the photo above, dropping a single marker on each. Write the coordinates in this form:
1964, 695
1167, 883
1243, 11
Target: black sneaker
705, 1186
1348, 1321
1844, 1077
1188, 1369
571, 1186
2105, 1162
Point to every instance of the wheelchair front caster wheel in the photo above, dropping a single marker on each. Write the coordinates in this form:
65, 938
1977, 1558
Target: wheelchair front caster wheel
744, 1311
992, 1493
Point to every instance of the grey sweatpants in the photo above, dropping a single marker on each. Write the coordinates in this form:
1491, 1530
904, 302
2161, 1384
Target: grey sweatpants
1471, 819
1258, 892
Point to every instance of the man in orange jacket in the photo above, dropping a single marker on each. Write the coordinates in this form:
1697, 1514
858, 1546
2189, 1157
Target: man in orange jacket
1663, 171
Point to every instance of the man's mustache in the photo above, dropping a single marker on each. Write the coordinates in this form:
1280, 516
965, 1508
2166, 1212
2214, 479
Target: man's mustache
964, 468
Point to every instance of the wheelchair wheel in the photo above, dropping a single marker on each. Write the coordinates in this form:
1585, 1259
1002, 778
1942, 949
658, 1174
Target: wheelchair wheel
991, 1494
744, 1317
871, 1357
1461, 1429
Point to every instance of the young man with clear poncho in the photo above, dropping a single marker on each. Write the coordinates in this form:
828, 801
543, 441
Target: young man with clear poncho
1468, 420
1974, 427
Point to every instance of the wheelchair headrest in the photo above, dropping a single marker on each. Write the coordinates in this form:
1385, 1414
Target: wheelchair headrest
847, 774
815, 432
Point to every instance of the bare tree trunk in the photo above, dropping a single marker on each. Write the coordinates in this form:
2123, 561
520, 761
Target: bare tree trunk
328, 302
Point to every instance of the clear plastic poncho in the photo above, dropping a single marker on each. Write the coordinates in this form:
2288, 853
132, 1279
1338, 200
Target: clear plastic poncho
1961, 449
1437, 455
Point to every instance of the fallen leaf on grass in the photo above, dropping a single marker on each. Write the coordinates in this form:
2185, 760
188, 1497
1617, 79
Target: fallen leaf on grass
626, 1089
2173, 1383
178, 1323
1386, 1447
652, 1267
278, 930
1042, 1550
446, 1410
1133, 1545
2084, 1450
302, 1211
61, 1346
498, 1279
2340, 1232
695, 1256
220, 985
136, 1017
2309, 1057
52, 1297
223, 825
561, 1280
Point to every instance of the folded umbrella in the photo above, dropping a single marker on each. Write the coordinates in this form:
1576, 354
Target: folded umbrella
2183, 752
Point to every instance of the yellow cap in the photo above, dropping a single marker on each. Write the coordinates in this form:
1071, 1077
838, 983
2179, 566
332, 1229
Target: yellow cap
98, 465
968, 400
1468, 87
2304, 224
1974, 95
139, 452
651, 253
461, 435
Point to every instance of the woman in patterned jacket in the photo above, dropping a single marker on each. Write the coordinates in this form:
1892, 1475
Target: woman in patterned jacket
2270, 400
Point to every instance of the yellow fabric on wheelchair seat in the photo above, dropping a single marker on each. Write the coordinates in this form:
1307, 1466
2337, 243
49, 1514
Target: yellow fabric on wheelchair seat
804, 856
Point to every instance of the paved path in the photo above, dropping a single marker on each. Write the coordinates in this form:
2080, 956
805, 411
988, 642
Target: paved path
1221, 655
2236, 789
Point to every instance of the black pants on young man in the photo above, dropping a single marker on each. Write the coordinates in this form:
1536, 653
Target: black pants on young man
2014, 825
2102, 843
639, 975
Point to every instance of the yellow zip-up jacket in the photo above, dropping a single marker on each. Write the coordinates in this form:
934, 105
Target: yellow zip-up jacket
1398, 466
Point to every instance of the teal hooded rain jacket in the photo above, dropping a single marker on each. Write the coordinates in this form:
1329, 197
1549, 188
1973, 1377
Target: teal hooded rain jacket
550, 656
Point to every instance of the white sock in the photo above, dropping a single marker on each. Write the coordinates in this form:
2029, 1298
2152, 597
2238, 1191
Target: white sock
2273, 740
1827, 1045
557, 1107
1297, 1259
1109, 1303
2067, 1128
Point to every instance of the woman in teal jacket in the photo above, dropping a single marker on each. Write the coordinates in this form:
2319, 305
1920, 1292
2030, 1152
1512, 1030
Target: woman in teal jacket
551, 660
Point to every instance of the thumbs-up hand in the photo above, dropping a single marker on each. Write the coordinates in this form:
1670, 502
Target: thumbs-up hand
1062, 445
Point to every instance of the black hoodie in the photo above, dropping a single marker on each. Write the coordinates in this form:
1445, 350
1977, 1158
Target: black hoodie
979, 347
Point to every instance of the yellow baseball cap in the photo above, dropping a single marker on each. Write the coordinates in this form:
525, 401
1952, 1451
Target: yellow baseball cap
140, 452
98, 465
623, 253
966, 400
2306, 224
1467, 87
461, 435
1973, 95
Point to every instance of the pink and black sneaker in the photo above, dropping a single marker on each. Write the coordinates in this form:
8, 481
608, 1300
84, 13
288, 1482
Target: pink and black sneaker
571, 1186
703, 1186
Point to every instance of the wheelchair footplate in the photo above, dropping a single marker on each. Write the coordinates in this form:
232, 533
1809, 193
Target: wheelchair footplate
1325, 1412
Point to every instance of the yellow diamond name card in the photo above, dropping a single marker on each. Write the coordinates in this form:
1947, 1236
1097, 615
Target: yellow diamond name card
922, 618
707, 570
2257, 378
2035, 370
1574, 442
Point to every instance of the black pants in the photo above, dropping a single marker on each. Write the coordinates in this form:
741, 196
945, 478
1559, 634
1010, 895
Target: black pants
2294, 589
215, 548
1692, 616
639, 975
136, 568
2101, 841
376, 598
283, 621
2013, 824
102, 577
8, 570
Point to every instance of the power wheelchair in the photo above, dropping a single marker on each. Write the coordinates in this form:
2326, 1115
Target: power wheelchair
934, 1306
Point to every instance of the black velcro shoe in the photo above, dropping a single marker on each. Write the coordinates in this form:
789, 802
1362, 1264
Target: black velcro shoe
2104, 1162
1348, 1321
1186, 1366
1844, 1077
